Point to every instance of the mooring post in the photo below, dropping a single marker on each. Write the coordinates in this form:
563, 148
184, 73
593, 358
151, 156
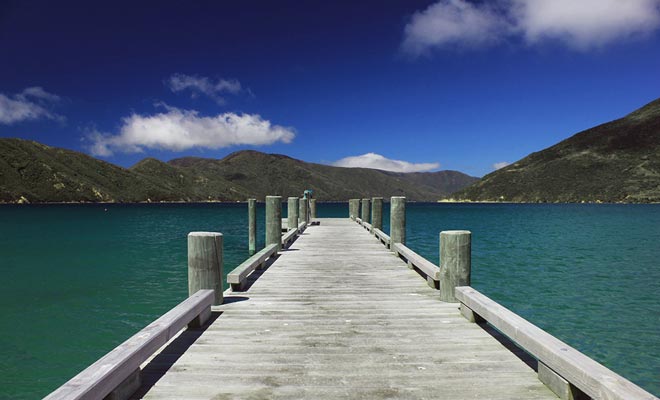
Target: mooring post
354, 208
398, 219
376, 213
302, 213
205, 263
274, 221
252, 226
455, 262
292, 213
312, 208
366, 213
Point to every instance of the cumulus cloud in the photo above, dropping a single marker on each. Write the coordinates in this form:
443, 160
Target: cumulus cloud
178, 130
201, 85
586, 23
501, 164
453, 22
31, 104
377, 161
580, 24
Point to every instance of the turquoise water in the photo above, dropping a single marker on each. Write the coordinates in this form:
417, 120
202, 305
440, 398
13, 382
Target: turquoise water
80, 279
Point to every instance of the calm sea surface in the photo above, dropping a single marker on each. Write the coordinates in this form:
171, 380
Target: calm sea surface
77, 280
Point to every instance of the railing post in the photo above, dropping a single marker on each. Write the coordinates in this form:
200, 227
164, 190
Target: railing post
302, 210
455, 262
274, 221
205, 263
377, 213
312, 208
252, 226
292, 213
366, 214
398, 220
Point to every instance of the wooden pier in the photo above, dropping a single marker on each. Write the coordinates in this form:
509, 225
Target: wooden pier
342, 312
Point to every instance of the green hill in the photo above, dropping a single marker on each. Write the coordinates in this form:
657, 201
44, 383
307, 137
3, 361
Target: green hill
614, 162
33, 172
260, 174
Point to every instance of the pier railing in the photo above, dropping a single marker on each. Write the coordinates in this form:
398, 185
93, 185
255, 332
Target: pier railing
117, 374
566, 371
237, 278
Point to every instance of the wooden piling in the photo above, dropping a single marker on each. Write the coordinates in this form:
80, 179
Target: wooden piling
302, 211
354, 208
366, 213
205, 263
455, 262
312, 208
398, 219
274, 221
292, 213
377, 213
252, 226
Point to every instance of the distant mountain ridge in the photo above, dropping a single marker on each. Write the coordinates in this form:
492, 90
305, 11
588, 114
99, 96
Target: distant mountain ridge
618, 161
33, 172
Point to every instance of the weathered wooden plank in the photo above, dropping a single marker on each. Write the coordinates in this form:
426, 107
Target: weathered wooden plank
431, 270
382, 236
100, 378
240, 273
289, 236
591, 377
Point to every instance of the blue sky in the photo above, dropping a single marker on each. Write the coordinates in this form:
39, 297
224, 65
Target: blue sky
452, 84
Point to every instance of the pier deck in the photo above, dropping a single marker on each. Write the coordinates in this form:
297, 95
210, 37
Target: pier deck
337, 315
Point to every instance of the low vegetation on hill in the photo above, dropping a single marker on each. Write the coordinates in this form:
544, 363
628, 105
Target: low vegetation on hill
33, 172
614, 162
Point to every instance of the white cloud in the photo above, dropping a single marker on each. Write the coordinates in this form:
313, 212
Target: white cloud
376, 161
31, 104
202, 85
450, 22
501, 164
582, 24
586, 23
179, 130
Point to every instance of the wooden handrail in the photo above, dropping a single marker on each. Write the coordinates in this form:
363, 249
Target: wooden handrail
589, 376
289, 236
111, 370
431, 270
237, 277
382, 236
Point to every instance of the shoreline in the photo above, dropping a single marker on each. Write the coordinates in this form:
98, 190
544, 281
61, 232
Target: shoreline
19, 203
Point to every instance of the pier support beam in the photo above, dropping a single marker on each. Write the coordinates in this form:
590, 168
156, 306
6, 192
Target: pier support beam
292, 213
398, 219
377, 213
205, 263
252, 226
366, 213
312, 208
302, 210
126, 389
559, 386
455, 262
274, 221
